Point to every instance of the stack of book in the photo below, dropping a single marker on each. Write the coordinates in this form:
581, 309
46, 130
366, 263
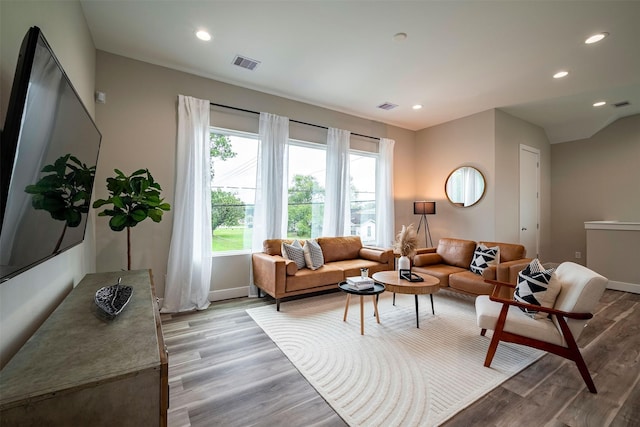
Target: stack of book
360, 283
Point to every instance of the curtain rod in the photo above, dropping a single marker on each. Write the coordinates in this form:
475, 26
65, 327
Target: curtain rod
291, 120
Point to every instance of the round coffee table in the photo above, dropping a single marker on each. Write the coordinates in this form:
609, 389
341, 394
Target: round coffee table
378, 288
394, 284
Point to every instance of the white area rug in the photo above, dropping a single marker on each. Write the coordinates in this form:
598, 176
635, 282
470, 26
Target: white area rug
396, 374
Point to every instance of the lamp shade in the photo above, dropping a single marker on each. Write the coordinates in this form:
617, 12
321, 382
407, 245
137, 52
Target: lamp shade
424, 208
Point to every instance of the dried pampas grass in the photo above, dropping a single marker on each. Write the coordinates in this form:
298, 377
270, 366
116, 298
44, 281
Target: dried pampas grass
407, 241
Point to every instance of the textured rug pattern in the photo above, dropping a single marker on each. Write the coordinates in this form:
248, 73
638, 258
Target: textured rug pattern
396, 374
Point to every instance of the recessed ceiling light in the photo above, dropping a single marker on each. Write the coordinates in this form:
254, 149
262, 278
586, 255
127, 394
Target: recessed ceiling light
596, 38
203, 35
599, 103
417, 106
399, 37
560, 74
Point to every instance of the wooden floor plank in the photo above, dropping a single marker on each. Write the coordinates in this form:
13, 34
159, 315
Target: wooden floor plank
224, 370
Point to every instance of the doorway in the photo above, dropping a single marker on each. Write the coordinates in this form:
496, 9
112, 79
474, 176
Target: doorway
530, 200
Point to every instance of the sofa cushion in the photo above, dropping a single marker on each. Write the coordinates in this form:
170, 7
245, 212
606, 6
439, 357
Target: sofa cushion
483, 257
308, 279
293, 252
536, 287
469, 282
351, 267
439, 271
508, 251
274, 246
456, 252
340, 248
313, 254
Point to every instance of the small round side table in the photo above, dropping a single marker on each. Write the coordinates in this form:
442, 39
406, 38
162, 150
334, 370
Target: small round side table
378, 288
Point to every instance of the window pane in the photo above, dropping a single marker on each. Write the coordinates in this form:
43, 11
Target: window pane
307, 169
233, 188
363, 196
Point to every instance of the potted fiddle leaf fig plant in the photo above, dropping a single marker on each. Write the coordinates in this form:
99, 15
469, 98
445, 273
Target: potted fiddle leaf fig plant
64, 192
133, 199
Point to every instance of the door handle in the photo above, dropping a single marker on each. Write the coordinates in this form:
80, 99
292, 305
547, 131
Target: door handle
524, 229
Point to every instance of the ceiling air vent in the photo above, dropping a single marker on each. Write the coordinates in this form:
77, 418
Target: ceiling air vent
248, 63
621, 104
387, 106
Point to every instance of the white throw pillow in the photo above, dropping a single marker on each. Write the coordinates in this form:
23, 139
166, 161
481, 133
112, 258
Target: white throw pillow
537, 286
483, 257
313, 254
293, 252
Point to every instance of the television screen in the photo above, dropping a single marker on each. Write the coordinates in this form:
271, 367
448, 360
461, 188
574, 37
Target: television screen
50, 148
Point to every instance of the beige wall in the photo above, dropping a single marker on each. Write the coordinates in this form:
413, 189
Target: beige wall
468, 141
594, 179
511, 132
139, 123
28, 299
490, 142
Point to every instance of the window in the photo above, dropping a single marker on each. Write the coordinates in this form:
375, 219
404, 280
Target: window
233, 182
306, 182
362, 167
233, 188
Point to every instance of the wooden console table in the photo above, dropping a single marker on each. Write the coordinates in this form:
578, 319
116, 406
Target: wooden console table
80, 368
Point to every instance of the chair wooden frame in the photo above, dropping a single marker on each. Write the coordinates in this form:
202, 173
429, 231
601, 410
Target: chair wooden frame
571, 352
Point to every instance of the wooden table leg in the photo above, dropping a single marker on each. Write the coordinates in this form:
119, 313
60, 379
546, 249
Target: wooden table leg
361, 315
375, 307
346, 308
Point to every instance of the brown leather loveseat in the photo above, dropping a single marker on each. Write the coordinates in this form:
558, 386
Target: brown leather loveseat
450, 262
343, 257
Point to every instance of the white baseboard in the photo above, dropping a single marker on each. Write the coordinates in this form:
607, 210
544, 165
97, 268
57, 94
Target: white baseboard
223, 294
240, 292
622, 286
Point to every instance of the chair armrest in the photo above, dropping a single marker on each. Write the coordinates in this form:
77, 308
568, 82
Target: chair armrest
424, 260
269, 273
549, 310
426, 251
501, 289
373, 253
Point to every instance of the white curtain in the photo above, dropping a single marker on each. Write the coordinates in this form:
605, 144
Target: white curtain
385, 225
337, 211
270, 212
189, 267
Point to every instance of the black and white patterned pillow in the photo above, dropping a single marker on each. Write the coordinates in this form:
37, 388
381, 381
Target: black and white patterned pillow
313, 254
483, 257
535, 286
293, 252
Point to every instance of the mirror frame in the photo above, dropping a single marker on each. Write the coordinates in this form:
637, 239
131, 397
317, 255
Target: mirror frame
484, 188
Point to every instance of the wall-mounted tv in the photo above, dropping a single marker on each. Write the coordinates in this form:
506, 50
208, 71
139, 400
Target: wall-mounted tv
49, 151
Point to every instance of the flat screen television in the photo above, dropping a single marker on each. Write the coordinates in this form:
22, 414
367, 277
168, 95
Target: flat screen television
49, 151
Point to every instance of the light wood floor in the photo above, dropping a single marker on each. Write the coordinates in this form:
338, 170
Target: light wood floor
224, 371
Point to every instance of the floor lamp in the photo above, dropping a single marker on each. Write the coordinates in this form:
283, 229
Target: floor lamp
425, 208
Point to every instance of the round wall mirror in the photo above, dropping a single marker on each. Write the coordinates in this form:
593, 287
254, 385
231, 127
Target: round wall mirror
465, 186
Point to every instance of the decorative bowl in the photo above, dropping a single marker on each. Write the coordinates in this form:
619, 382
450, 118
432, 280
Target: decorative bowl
113, 299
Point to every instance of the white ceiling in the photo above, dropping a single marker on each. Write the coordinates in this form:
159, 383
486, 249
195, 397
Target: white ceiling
460, 57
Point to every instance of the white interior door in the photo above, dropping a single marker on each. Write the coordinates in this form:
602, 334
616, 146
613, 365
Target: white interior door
530, 200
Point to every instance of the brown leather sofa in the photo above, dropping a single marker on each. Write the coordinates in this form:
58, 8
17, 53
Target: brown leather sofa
450, 262
343, 257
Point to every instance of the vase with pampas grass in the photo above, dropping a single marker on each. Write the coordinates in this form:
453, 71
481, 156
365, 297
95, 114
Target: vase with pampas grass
406, 244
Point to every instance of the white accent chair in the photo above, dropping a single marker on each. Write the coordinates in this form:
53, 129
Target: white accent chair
581, 289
